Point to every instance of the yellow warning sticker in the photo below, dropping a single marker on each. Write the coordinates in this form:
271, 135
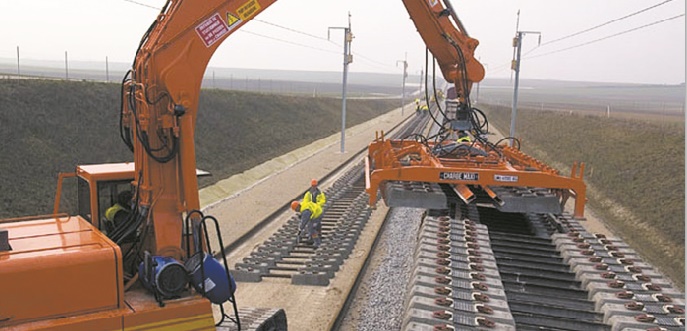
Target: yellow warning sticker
249, 9
232, 19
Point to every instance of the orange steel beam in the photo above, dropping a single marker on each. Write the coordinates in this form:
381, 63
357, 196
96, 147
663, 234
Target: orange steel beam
492, 195
464, 193
513, 168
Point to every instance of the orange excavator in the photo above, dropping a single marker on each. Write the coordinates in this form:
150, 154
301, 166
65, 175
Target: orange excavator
150, 268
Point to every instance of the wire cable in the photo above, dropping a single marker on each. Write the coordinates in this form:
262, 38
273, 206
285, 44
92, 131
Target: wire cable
293, 30
434, 86
605, 23
323, 39
608, 37
427, 87
288, 42
142, 4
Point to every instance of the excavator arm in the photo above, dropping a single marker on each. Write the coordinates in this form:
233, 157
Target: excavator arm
446, 38
160, 103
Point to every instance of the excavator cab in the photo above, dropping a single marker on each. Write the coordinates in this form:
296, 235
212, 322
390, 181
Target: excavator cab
98, 187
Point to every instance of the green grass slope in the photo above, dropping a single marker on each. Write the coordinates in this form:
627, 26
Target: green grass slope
635, 172
48, 127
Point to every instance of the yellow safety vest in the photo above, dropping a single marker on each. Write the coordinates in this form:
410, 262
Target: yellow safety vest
314, 208
320, 199
112, 211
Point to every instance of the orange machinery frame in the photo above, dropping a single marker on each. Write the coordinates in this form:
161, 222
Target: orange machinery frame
412, 161
409, 160
63, 274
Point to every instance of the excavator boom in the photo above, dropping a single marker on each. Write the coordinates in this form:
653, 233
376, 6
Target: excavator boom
451, 46
160, 108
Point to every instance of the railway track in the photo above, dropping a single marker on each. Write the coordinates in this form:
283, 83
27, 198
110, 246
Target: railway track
533, 272
500, 271
345, 215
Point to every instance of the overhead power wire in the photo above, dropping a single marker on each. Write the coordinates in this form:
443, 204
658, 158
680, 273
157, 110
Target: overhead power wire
374, 62
292, 30
142, 4
288, 42
608, 37
323, 39
505, 66
605, 23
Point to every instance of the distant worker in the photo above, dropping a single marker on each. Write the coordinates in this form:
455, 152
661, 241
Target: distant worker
315, 195
119, 212
463, 137
423, 110
311, 221
417, 106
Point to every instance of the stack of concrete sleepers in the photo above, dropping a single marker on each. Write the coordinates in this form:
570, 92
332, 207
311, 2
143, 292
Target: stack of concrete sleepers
455, 283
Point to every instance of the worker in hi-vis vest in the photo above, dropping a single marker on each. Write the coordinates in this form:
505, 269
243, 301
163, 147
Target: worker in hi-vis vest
311, 221
315, 195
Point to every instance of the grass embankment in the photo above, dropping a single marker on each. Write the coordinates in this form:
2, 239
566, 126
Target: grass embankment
634, 172
51, 126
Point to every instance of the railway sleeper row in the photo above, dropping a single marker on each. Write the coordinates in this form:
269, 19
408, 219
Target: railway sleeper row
283, 255
543, 292
456, 284
345, 215
631, 294
533, 272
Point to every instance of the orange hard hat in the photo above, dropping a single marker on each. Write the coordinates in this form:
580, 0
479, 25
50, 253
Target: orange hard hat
313, 182
295, 205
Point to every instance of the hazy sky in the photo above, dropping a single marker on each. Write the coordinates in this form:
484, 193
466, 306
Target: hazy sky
91, 30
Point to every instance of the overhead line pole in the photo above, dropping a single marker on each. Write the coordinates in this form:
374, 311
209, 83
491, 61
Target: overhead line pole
517, 43
66, 66
348, 58
405, 75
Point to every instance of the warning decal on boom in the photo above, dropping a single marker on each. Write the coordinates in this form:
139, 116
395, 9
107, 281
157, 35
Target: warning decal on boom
232, 19
249, 9
212, 30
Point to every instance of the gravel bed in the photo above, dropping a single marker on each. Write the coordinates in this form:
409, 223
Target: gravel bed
379, 301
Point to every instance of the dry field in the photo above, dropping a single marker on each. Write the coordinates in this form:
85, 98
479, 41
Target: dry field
635, 168
50, 126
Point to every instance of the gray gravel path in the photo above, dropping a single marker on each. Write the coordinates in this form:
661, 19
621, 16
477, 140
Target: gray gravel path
379, 301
